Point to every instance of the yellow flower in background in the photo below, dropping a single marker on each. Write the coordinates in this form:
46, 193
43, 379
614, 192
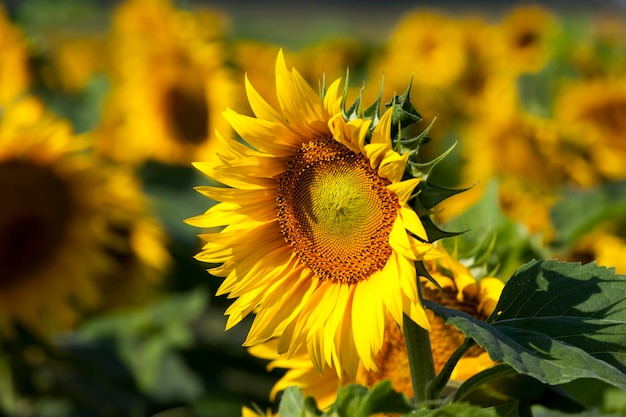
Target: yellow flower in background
485, 84
169, 84
593, 113
460, 291
330, 57
524, 37
319, 240
74, 59
604, 244
60, 207
425, 44
136, 245
519, 151
15, 76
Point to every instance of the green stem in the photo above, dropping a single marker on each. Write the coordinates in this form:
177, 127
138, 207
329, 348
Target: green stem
439, 383
420, 356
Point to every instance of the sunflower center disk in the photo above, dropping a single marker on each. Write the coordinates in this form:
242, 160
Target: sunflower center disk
34, 217
336, 211
187, 114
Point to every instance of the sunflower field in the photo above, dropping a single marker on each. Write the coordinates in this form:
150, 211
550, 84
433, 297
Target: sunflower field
248, 209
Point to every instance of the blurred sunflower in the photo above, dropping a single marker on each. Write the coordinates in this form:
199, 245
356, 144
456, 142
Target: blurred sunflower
15, 76
169, 84
518, 149
427, 44
460, 291
135, 246
604, 244
484, 86
319, 239
74, 59
524, 36
594, 115
59, 206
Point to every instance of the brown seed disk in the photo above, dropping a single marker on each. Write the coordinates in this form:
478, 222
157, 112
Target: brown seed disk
336, 211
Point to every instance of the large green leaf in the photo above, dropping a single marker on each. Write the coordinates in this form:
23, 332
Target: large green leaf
556, 322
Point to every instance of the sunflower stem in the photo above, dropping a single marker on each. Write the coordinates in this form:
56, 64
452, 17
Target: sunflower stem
420, 355
438, 384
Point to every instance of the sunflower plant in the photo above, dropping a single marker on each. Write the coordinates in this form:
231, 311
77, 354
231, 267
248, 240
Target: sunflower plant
323, 229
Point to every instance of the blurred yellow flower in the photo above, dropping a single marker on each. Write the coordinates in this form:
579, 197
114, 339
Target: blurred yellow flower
593, 113
60, 207
75, 59
169, 84
524, 38
319, 239
15, 75
426, 44
603, 244
461, 291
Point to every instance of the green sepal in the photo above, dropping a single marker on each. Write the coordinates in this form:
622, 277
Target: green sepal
351, 112
434, 233
421, 271
373, 111
423, 169
404, 114
432, 194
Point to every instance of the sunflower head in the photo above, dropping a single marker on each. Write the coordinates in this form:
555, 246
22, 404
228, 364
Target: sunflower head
62, 214
327, 211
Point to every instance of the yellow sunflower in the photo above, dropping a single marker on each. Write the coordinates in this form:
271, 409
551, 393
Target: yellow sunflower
169, 84
524, 38
427, 44
14, 73
605, 245
74, 59
460, 291
319, 240
60, 207
594, 116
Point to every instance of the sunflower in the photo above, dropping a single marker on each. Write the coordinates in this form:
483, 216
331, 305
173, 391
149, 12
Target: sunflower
427, 44
59, 208
594, 115
524, 38
519, 150
460, 291
74, 60
169, 84
605, 244
319, 240
14, 73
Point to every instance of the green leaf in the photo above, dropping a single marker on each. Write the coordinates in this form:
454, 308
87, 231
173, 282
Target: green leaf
540, 411
466, 410
501, 384
357, 401
293, 404
556, 322
383, 399
147, 341
579, 211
